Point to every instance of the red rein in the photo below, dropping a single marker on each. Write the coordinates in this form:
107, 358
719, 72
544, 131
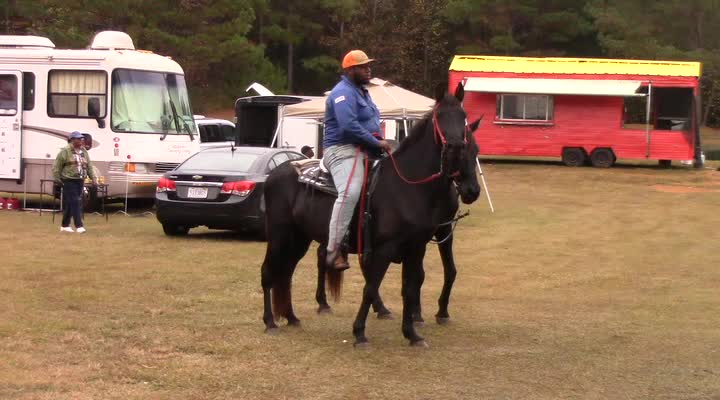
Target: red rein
438, 136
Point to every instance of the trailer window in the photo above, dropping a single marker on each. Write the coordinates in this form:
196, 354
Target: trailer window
8, 95
515, 107
70, 91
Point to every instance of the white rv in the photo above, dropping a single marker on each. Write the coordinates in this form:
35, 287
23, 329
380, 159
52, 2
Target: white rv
133, 103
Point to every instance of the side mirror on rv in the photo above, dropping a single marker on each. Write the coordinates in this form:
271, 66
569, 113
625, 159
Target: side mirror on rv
93, 108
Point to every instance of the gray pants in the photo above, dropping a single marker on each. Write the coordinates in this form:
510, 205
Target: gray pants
339, 160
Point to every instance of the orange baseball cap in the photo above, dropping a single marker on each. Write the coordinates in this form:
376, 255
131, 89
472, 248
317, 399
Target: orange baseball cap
355, 57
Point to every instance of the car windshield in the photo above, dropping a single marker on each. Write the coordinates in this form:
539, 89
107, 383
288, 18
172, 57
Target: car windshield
151, 102
225, 160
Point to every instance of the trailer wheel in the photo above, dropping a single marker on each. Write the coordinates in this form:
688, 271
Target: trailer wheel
573, 156
175, 230
665, 163
602, 158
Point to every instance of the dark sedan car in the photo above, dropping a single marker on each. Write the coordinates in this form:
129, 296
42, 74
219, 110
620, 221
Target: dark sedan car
221, 188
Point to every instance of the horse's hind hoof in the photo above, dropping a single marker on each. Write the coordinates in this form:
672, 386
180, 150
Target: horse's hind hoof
442, 320
294, 324
386, 315
421, 344
324, 310
272, 331
362, 345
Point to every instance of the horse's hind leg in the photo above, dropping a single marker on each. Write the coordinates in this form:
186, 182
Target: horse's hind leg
320, 294
448, 261
379, 307
266, 280
296, 252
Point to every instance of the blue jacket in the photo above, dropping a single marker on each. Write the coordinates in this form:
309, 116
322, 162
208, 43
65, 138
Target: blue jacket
351, 117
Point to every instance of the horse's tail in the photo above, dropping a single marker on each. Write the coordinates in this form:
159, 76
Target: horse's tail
334, 282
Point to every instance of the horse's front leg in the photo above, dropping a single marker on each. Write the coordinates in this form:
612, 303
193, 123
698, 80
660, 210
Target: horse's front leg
374, 272
446, 254
320, 295
413, 276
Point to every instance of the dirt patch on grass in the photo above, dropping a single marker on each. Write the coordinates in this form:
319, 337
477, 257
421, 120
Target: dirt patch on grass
584, 284
683, 189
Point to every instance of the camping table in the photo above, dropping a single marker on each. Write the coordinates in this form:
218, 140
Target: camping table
102, 193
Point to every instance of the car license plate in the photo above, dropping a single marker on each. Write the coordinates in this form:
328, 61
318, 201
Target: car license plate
197, 193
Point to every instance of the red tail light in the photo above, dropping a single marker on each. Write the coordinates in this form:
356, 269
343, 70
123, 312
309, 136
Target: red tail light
165, 185
240, 188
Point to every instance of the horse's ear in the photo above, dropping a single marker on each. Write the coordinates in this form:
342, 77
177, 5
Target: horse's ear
440, 92
460, 92
475, 124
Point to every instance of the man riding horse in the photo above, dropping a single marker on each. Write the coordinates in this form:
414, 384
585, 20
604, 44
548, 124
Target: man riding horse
352, 123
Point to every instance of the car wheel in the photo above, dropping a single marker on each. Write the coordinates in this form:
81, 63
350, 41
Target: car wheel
175, 230
573, 156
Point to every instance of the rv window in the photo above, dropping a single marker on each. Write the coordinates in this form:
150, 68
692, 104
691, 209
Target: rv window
150, 102
8, 95
69, 92
28, 91
515, 107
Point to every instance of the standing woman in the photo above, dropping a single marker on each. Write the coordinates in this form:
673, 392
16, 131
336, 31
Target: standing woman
72, 165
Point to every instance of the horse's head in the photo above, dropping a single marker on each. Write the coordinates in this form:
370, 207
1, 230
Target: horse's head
459, 149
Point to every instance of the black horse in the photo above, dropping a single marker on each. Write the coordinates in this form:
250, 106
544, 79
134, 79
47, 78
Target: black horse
444, 240
410, 202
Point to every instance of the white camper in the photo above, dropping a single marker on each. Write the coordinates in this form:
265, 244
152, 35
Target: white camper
133, 103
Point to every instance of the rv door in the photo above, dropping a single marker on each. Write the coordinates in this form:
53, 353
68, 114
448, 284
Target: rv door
10, 124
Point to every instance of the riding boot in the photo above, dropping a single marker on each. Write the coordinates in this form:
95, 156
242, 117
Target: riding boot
336, 260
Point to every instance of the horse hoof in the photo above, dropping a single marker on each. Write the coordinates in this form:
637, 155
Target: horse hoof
362, 345
324, 310
442, 320
294, 324
385, 315
421, 344
272, 331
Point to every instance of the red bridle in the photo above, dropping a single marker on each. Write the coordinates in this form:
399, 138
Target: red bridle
439, 136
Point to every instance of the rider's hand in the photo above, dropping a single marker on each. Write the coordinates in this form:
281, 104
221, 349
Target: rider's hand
385, 146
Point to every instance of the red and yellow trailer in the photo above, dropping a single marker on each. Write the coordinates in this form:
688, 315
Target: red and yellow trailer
596, 110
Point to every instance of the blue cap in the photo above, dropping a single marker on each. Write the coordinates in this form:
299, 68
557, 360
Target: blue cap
76, 135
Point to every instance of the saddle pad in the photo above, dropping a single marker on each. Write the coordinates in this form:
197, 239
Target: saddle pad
311, 174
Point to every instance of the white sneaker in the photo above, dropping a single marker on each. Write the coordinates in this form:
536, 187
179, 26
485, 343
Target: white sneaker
80, 230
66, 229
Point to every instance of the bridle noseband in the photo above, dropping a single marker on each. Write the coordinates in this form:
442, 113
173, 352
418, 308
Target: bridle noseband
438, 136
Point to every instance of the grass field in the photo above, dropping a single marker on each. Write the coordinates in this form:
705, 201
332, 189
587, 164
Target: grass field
585, 284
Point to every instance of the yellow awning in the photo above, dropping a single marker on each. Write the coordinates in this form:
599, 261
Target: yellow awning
594, 66
579, 87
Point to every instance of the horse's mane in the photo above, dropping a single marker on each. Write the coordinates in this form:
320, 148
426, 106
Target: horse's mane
417, 131
415, 134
